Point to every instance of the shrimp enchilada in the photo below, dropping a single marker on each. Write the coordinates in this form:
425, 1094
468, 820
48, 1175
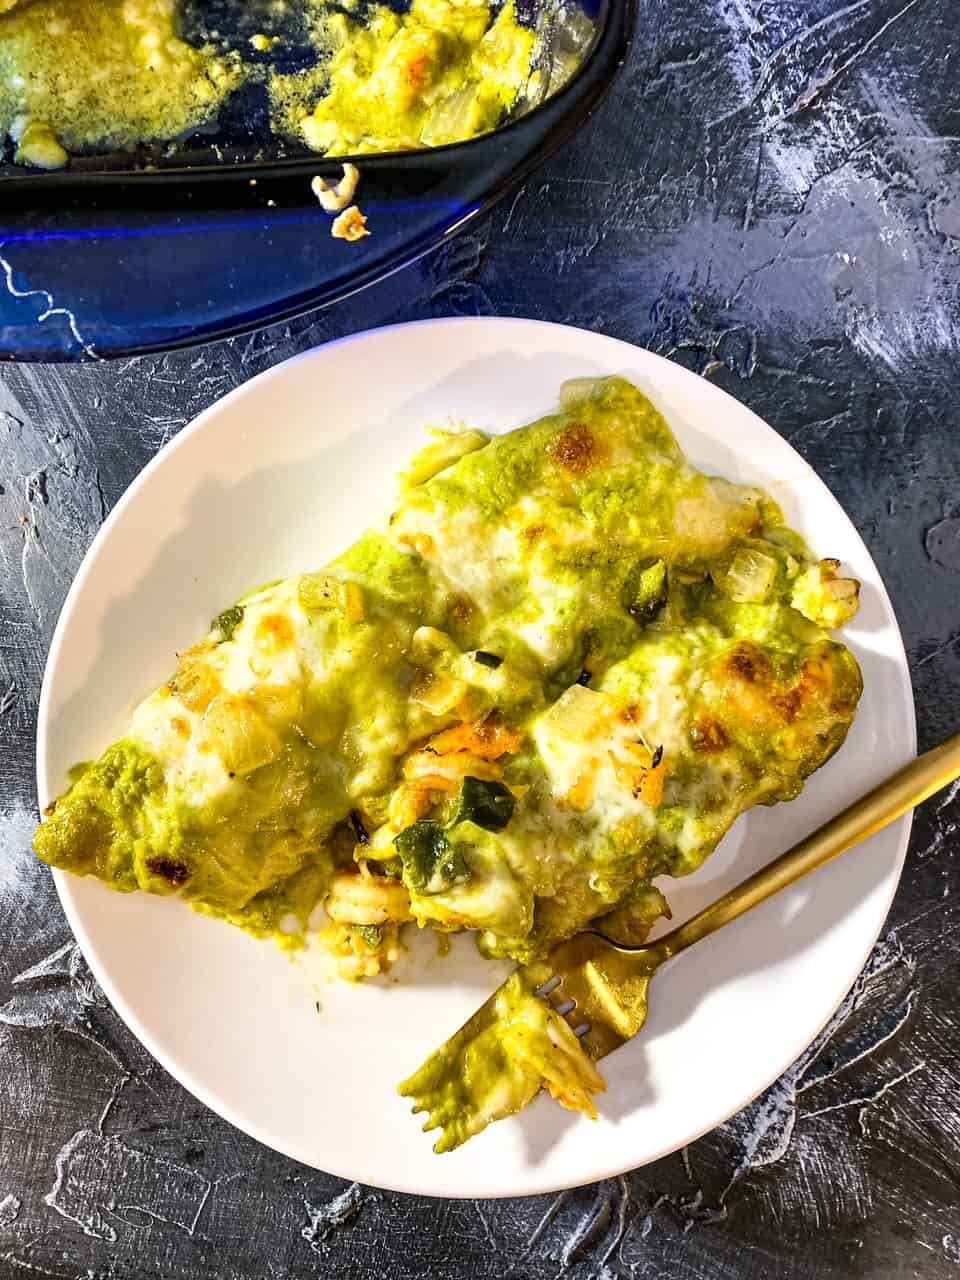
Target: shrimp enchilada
555, 676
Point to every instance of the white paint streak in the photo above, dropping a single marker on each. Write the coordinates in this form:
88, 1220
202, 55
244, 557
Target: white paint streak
485, 1223
593, 1223
21, 874
948, 796
50, 308
791, 56
765, 1130
100, 1181
898, 340
867, 1098
56, 965
950, 643
10, 1207
23, 1265
620, 1225
66, 1002
32, 549
18, 865
327, 1218
898, 306
924, 322
836, 68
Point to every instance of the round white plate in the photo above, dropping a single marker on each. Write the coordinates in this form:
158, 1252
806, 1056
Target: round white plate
275, 479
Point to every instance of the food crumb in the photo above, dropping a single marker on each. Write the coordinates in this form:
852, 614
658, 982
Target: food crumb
349, 225
37, 144
333, 199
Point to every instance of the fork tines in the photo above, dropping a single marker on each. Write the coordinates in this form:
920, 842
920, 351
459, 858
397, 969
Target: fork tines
564, 1007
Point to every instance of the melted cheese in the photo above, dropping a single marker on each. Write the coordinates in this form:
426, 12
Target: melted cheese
505, 577
77, 75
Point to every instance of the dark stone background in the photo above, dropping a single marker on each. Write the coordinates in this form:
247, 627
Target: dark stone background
770, 196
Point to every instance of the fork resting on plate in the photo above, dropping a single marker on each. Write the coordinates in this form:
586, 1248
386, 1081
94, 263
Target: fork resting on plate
594, 990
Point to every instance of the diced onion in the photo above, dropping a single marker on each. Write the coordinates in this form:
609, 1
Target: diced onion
750, 577
324, 591
428, 643
577, 715
353, 608
277, 701
457, 116
447, 448
437, 692
574, 390
241, 737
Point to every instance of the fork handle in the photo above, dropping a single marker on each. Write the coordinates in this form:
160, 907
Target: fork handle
907, 788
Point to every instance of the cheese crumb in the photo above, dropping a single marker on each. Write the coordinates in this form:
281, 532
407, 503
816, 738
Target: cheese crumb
349, 225
37, 145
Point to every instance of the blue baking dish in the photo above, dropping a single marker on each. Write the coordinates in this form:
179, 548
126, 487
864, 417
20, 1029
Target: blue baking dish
126, 254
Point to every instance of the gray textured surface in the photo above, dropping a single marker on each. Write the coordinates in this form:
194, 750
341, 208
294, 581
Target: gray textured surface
772, 197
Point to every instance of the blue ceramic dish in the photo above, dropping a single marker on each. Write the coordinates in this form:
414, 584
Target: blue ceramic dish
106, 259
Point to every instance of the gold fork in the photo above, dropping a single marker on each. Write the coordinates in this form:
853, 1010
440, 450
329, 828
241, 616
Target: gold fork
600, 986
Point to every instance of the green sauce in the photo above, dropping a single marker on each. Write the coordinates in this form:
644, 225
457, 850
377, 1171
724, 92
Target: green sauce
96, 827
81, 75
105, 73
315, 698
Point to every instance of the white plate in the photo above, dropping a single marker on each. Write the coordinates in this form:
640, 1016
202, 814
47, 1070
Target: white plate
273, 480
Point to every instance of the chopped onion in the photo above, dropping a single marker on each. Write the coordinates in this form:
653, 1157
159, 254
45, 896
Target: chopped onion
277, 701
447, 448
437, 692
324, 591
750, 576
457, 116
241, 737
428, 643
577, 715
576, 389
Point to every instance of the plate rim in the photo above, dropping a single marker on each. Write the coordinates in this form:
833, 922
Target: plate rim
64, 882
